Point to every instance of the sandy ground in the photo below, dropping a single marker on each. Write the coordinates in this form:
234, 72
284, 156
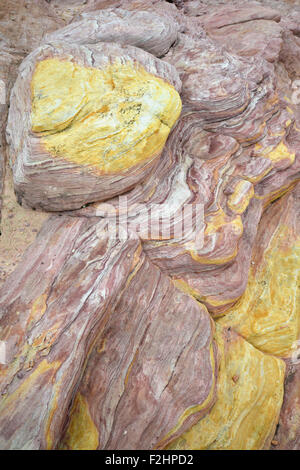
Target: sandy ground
19, 227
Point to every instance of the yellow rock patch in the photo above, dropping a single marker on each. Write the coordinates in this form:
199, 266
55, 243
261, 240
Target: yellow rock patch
38, 309
277, 154
82, 433
196, 408
9, 404
112, 119
218, 219
268, 313
239, 200
249, 398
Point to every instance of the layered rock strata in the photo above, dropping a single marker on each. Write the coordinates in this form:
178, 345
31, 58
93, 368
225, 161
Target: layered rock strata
95, 117
268, 313
248, 405
49, 323
159, 308
132, 386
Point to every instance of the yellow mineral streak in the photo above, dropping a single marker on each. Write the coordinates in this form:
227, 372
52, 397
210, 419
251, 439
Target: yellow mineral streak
249, 398
30, 353
216, 260
82, 433
184, 287
45, 340
215, 224
218, 219
239, 200
130, 367
196, 408
260, 176
256, 136
273, 195
38, 309
279, 193
268, 313
112, 119
272, 101
281, 152
256, 179
277, 154
257, 147
288, 123
52, 409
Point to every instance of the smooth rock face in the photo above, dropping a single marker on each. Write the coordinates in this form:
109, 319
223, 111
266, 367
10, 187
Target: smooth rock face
75, 110
87, 123
109, 343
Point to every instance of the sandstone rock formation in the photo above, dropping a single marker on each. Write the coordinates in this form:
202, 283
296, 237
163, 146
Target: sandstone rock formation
144, 29
267, 314
139, 363
50, 314
247, 407
288, 430
159, 306
69, 99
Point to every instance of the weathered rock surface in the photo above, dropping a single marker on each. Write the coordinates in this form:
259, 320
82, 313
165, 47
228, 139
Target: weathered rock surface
143, 29
62, 122
287, 435
240, 142
8, 65
246, 411
109, 343
267, 315
49, 323
132, 387
23, 24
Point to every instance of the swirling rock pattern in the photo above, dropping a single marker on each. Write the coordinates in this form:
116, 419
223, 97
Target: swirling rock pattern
287, 435
61, 320
251, 404
183, 336
133, 89
143, 29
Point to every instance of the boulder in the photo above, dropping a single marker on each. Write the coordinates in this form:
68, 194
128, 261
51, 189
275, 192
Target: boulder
246, 411
88, 122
